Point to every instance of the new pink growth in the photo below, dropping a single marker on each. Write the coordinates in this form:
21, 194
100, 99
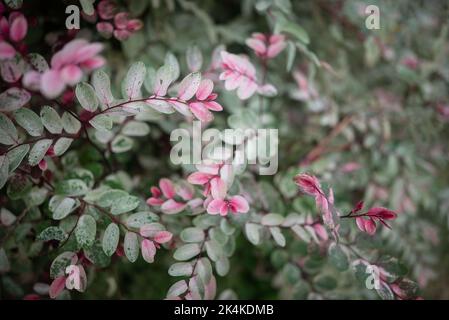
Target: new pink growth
266, 46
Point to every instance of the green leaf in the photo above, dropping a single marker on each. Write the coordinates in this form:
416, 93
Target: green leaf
30, 121
124, 204
277, 236
38, 151
52, 233
133, 80
88, 7
86, 96
96, 255
62, 145
136, 129
131, 246
186, 252
272, 219
13, 99
70, 123
101, 122
51, 120
180, 269
325, 282
71, 188
338, 258
252, 233
214, 250
385, 292
121, 144
60, 263
138, 219
109, 196
102, 85
86, 230
192, 235
4, 170
61, 206
38, 62
295, 30
222, 266
16, 156
4, 262
110, 239
8, 132
177, 289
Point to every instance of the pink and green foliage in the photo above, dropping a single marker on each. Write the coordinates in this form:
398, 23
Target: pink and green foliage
92, 203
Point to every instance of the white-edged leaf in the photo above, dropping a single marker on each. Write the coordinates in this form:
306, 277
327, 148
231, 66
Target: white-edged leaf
186, 252
124, 204
70, 123
133, 80
110, 239
61, 145
180, 269
252, 231
7, 218
272, 219
192, 234
61, 206
121, 144
13, 99
278, 236
51, 120
173, 64
86, 230
16, 156
194, 58
71, 187
8, 132
189, 86
136, 129
37, 152
102, 85
138, 219
177, 289
86, 96
101, 122
30, 121
131, 246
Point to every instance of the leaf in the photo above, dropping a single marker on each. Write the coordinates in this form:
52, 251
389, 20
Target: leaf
291, 54
189, 86
272, 219
38, 151
16, 156
301, 232
6, 217
296, 30
101, 122
102, 85
194, 58
86, 96
52, 233
110, 239
62, 145
60, 263
72, 188
222, 266
8, 132
186, 252
109, 196
180, 269
136, 129
4, 170
51, 120
214, 250
177, 289
385, 292
61, 206
133, 80
88, 7
4, 262
124, 204
252, 233
204, 269
121, 144
278, 236
70, 123
38, 62
131, 246
13, 99
139, 219
30, 121
192, 235
172, 63
96, 255
338, 257
86, 230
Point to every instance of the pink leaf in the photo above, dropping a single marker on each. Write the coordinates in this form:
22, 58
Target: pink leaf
205, 89
150, 229
218, 188
201, 112
321, 231
7, 51
19, 28
308, 184
214, 207
199, 178
212, 105
71, 74
52, 84
172, 207
257, 45
148, 250
167, 188
163, 237
57, 286
370, 226
239, 204
189, 86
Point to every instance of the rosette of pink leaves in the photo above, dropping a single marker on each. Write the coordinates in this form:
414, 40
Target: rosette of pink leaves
266, 46
366, 222
12, 31
121, 26
173, 199
66, 69
205, 101
209, 171
154, 235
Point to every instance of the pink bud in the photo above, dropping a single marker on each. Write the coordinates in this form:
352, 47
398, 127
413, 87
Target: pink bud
19, 28
105, 29
134, 25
